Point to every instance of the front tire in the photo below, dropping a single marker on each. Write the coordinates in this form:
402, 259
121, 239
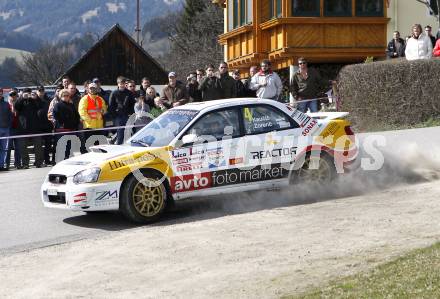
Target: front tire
143, 201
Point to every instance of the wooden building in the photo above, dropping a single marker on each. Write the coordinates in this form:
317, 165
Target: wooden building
323, 31
116, 54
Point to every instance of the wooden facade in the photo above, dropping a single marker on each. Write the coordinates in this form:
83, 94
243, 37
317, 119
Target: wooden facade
278, 30
116, 54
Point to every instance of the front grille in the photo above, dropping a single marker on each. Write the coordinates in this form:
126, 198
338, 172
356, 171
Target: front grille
57, 178
59, 198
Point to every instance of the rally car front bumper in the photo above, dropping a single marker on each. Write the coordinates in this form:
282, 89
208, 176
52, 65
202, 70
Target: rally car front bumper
60, 192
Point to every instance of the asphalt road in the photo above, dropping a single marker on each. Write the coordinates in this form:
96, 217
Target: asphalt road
26, 224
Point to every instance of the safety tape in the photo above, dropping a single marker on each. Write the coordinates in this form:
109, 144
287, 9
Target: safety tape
311, 100
69, 132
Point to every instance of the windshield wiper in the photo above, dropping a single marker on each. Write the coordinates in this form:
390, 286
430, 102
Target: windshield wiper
139, 142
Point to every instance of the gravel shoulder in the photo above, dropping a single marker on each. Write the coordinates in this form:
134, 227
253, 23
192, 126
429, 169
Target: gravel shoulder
267, 252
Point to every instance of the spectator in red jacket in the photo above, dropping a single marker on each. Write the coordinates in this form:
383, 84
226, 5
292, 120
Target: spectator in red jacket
436, 51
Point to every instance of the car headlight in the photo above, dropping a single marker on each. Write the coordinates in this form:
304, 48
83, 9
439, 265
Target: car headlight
90, 175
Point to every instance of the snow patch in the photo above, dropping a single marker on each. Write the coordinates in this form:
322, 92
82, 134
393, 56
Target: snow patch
6, 14
89, 15
64, 34
170, 2
115, 7
22, 28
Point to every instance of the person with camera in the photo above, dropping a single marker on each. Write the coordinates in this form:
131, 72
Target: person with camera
210, 87
192, 86
240, 90
253, 70
27, 108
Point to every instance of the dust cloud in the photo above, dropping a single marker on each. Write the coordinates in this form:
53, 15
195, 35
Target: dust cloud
410, 165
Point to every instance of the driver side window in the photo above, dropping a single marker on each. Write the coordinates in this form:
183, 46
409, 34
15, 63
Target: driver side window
261, 119
217, 124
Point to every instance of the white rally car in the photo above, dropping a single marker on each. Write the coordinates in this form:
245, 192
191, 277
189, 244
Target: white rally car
202, 149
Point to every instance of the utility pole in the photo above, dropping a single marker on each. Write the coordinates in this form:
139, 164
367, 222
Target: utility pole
438, 13
138, 28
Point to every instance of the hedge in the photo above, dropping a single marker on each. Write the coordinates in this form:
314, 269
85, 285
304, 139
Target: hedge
390, 93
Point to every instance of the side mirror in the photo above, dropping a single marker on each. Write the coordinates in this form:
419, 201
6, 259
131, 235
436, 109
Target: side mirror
189, 139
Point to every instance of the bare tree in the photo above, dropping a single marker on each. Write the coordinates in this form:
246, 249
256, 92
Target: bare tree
43, 66
194, 41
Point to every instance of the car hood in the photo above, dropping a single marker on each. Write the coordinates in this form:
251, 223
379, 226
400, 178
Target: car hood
97, 155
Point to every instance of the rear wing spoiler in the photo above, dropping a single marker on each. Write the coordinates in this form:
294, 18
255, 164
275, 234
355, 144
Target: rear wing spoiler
328, 115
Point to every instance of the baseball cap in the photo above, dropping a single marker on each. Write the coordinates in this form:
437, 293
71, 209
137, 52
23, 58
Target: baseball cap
172, 74
142, 93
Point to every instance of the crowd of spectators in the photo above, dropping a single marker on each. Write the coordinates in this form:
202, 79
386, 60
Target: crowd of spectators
32, 113
418, 45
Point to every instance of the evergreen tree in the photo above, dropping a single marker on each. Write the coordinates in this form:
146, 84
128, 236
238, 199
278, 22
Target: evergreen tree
190, 11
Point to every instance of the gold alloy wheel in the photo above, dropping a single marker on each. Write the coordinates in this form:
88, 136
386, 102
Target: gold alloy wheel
148, 197
319, 174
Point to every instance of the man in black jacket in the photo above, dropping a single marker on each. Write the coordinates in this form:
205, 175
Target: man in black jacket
121, 107
239, 86
66, 118
396, 47
5, 130
28, 123
46, 125
210, 86
228, 83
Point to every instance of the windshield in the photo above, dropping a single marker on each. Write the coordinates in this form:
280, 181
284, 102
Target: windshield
163, 129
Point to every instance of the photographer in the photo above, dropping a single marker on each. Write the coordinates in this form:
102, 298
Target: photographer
192, 87
27, 108
211, 87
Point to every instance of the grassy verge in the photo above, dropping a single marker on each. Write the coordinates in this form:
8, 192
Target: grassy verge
415, 275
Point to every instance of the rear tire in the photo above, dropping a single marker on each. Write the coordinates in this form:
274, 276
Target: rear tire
322, 174
143, 201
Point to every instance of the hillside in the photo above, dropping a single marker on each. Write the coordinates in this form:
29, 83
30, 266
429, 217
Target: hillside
51, 20
11, 53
